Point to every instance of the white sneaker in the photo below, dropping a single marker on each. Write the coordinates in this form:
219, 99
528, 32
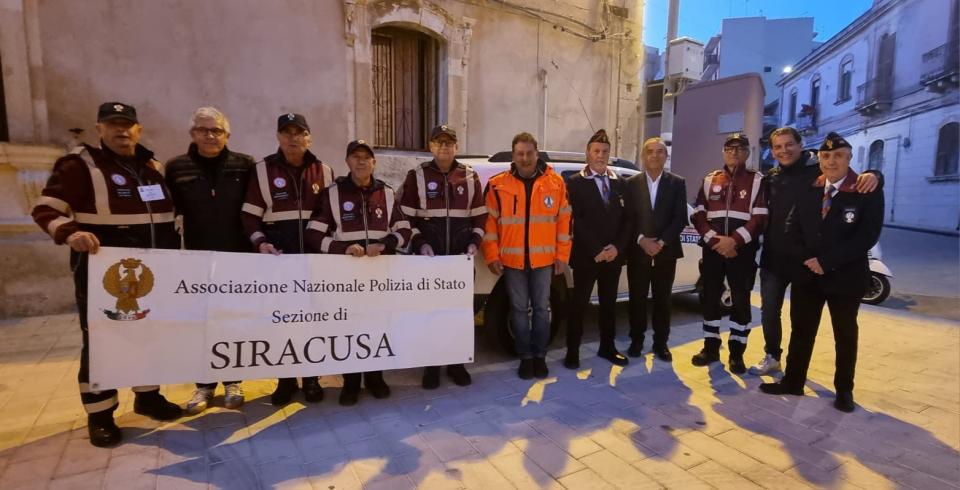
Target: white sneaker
766, 366
234, 396
200, 400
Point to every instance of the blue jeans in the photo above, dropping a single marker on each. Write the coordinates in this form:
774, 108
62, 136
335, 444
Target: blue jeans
772, 289
530, 288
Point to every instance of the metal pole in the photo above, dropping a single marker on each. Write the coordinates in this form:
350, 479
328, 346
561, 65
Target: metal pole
666, 118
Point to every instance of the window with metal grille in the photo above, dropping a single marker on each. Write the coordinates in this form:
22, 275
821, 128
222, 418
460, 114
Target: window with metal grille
948, 150
405, 87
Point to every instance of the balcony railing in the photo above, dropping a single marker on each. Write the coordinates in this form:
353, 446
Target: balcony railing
939, 65
874, 96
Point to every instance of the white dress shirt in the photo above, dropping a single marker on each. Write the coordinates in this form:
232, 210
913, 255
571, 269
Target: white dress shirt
652, 186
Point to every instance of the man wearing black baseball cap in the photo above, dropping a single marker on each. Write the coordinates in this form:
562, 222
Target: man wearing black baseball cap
444, 202
730, 214
281, 194
113, 195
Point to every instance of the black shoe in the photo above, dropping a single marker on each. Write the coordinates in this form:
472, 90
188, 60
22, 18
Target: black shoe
780, 389
571, 360
613, 356
540, 370
636, 348
705, 357
844, 401
736, 364
662, 353
286, 387
312, 391
431, 378
526, 369
154, 405
349, 397
376, 385
103, 430
459, 375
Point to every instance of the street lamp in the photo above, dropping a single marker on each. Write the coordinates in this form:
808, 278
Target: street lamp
787, 69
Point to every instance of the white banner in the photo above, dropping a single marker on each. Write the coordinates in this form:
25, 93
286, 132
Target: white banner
173, 316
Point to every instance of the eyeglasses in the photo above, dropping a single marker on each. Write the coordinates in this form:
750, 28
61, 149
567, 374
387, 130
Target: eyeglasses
295, 133
217, 132
735, 149
444, 143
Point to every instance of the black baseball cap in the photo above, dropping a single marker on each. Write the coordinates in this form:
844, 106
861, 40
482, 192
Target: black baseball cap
117, 110
290, 118
737, 139
353, 145
441, 130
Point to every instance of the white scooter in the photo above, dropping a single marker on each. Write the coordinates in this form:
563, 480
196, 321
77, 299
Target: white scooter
879, 287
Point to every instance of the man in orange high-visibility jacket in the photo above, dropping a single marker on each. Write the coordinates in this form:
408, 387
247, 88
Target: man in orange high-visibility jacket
527, 239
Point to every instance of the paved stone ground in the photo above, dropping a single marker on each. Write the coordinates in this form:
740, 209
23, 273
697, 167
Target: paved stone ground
651, 425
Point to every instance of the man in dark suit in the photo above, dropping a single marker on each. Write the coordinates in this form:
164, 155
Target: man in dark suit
831, 229
596, 196
656, 211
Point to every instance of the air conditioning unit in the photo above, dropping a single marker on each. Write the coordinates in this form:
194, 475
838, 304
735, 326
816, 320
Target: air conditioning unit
686, 59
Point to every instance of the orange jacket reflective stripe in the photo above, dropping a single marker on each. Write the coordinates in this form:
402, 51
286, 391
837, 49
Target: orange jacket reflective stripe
507, 223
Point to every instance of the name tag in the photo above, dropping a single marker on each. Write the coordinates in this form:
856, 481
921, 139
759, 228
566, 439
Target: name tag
150, 192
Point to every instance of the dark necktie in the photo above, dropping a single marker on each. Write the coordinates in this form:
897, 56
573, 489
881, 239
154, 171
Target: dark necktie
604, 189
827, 200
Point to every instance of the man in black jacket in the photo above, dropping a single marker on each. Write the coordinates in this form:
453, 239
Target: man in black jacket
596, 196
656, 211
829, 232
797, 170
208, 185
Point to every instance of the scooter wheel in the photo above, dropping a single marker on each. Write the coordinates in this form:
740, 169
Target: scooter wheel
877, 290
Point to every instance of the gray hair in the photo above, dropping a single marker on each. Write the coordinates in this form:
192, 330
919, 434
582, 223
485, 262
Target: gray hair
656, 139
210, 113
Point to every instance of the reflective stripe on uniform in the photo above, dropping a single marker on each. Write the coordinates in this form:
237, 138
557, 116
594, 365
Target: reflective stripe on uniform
389, 194
352, 236
727, 213
407, 210
325, 244
709, 235
59, 205
327, 175
257, 235
252, 209
264, 182
101, 196
491, 237
544, 249
744, 234
510, 220
421, 186
439, 213
478, 231
271, 216
566, 210
56, 223
493, 212
334, 196
318, 226
542, 219
563, 237
756, 188
123, 219
101, 406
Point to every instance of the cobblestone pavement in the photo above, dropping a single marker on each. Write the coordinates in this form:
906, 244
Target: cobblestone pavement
650, 425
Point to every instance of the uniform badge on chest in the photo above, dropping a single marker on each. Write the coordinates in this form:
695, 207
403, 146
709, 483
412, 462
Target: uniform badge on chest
460, 190
348, 206
315, 187
279, 182
849, 216
378, 212
716, 188
118, 179
548, 201
743, 193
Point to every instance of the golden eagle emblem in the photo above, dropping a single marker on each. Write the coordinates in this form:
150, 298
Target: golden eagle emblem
124, 283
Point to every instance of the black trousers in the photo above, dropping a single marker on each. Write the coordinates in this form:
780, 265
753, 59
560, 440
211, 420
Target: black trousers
94, 401
645, 274
806, 308
351, 381
739, 273
607, 278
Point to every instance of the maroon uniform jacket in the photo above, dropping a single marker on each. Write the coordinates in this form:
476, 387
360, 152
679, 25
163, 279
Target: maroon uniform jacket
91, 189
447, 210
349, 214
731, 204
280, 199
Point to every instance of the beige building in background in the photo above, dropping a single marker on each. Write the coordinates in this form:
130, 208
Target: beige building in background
385, 71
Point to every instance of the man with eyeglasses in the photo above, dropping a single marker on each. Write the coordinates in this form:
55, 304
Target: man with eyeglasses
208, 185
730, 214
281, 196
444, 201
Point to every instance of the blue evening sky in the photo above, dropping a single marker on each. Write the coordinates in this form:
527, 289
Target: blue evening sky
700, 19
